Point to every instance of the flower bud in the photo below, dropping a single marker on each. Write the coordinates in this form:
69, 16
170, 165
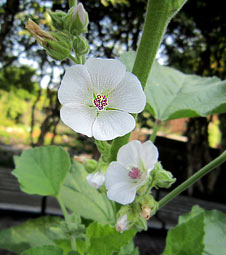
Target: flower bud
80, 45
59, 49
145, 212
56, 44
76, 21
96, 179
162, 178
57, 19
40, 35
122, 223
90, 165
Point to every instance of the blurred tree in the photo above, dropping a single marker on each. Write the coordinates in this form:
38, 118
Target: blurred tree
114, 28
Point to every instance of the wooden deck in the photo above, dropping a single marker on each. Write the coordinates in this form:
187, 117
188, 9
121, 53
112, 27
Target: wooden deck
12, 198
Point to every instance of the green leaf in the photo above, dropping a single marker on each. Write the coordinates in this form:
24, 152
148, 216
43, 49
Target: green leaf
129, 249
81, 198
198, 232
128, 59
43, 250
35, 232
42, 170
215, 233
104, 239
172, 94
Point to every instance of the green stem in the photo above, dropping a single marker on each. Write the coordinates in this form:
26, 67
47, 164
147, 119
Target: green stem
159, 13
73, 59
67, 219
155, 130
194, 178
117, 143
157, 18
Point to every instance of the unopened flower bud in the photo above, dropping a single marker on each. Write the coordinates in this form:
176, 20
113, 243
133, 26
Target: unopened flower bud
80, 45
122, 223
56, 44
59, 49
162, 178
145, 212
40, 35
57, 19
96, 179
76, 21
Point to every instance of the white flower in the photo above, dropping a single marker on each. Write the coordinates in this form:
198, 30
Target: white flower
131, 170
96, 179
122, 223
97, 98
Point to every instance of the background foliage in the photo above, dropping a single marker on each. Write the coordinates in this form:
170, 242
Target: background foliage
193, 43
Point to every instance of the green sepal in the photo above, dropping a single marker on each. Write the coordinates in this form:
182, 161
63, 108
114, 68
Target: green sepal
105, 150
57, 18
90, 165
60, 48
80, 45
161, 177
72, 22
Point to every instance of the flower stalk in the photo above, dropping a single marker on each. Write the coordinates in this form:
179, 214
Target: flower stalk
194, 178
67, 219
155, 130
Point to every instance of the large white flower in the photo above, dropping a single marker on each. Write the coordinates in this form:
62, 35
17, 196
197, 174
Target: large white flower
97, 98
131, 170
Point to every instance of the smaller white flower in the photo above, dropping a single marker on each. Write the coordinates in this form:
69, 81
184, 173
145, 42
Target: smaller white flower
96, 179
131, 170
122, 223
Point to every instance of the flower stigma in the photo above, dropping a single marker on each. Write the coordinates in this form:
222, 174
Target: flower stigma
100, 101
135, 173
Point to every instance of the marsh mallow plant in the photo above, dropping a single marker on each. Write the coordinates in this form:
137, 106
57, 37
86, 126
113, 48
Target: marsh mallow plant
106, 202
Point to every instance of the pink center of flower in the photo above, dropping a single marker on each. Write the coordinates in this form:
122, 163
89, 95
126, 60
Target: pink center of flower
100, 102
135, 173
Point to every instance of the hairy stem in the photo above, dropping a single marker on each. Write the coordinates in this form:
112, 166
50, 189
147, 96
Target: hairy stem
155, 130
67, 219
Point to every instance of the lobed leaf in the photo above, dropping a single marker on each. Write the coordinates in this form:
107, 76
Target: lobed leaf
104, 239
81, 198
42, 170
43, 250
198, 232
172, 94
32, 233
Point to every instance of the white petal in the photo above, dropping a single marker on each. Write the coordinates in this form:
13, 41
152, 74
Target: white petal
78, 117
119, 185
122, 193
128, 95
75, 86
116, 173
122, 223
96, 179
111, 124
105, 74
129, 155
149, 155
